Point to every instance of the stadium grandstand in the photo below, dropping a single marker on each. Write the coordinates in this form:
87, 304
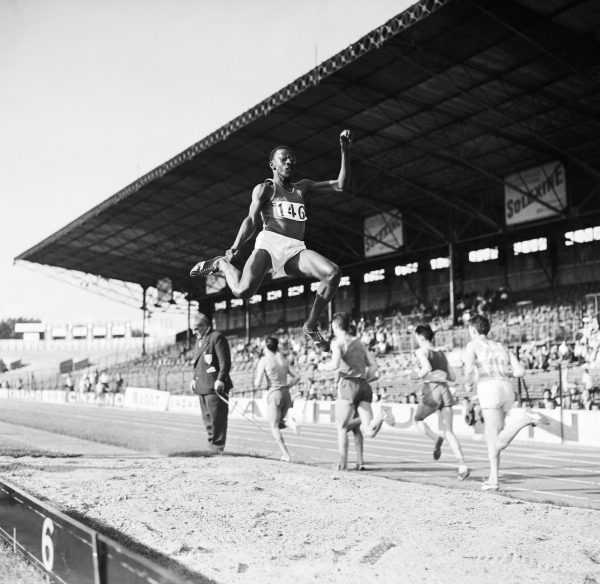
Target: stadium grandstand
42, 355
475, 188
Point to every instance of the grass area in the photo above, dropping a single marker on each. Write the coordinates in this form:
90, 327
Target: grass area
79, 422
16, 449
48, 418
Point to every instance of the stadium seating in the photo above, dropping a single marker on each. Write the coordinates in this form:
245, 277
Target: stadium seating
553, 333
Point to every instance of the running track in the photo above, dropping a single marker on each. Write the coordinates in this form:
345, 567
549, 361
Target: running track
559, 474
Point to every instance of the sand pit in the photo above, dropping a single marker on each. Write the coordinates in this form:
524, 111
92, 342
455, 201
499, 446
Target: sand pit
245, 520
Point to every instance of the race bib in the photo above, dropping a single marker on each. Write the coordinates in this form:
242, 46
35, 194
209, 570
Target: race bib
287, 210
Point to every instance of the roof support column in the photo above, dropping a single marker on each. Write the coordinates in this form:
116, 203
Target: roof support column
451, 281
247, 307
356, 296
188, 337
144, 290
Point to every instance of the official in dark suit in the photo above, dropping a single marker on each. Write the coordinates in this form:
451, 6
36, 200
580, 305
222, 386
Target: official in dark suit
212, 362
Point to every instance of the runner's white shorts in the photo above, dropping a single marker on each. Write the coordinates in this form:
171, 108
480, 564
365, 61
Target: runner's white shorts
280, 248
496, 394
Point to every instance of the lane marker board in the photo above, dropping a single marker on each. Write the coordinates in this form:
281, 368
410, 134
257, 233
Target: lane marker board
68, 551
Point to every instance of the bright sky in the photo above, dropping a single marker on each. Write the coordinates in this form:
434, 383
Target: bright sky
97, 93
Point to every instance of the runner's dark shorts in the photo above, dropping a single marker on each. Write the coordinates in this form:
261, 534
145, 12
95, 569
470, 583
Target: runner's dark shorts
434, 397
355, 390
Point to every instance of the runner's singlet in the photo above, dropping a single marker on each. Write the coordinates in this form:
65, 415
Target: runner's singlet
492, 360
284, 213
437, 360
354, 361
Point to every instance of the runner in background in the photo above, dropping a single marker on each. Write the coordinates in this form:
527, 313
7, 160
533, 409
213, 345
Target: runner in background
491, 366
435, 372
275, 368
354, 366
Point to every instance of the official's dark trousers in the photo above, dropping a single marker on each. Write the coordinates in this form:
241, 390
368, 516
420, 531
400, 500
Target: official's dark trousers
214, 414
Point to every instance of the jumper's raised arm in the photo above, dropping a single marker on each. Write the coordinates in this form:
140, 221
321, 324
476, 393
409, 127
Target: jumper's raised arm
342, 183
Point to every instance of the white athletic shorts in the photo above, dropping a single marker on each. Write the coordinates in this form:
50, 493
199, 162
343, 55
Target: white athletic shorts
280, 248
496, 394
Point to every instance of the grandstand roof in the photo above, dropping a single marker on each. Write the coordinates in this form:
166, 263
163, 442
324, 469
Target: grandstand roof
444, 101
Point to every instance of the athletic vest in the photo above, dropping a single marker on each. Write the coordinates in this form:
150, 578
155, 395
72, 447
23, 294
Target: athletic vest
354, 361
284, 212
492, 359
437, 360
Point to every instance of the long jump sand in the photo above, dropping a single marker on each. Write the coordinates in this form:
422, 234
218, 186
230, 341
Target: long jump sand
240, 519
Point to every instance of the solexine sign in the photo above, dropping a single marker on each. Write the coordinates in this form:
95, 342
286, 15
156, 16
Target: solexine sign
546, 184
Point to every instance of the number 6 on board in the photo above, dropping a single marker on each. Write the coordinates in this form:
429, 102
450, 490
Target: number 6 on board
47, 545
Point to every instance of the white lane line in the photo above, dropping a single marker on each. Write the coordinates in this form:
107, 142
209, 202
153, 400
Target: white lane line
545, 493
583, 469
546, 477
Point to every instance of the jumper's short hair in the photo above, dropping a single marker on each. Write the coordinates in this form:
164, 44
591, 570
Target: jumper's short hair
281, 147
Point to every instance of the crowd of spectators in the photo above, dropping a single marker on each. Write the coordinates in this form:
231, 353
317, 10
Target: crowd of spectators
570, 342
18, 384
98, 382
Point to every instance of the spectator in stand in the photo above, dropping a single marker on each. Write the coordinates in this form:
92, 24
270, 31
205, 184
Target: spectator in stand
466, 317
586, 399
104, 381
19, 383
98, 389
69, 385
548, 402
322, 389
579, 351
312, 390
563, 350
545, 354
212, 363
329, 390
381, 340
574, 402
586, 379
